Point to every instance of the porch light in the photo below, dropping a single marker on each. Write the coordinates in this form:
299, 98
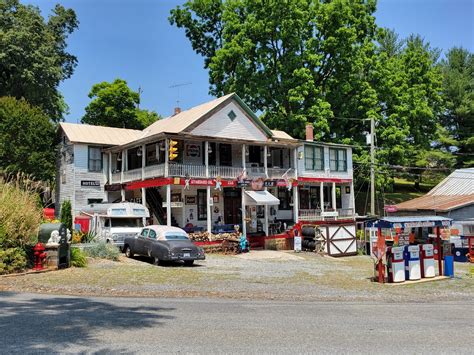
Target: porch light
247, 150
269, 153
119, 157
139, 152
209, 149
162, 146
300, 155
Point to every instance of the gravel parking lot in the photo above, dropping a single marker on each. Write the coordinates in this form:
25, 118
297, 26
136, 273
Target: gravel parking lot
256, 275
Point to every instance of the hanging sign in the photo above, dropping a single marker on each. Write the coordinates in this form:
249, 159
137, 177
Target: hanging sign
90, 183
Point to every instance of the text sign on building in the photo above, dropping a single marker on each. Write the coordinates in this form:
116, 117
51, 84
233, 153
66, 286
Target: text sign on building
93, 183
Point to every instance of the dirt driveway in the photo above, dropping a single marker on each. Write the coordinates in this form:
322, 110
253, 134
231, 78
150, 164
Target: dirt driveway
256, 275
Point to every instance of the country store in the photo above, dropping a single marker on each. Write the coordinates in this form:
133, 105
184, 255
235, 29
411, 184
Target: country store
209, 169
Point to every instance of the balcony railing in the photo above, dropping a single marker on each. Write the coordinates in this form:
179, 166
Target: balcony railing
154, 171
116, 178
225, 172
131, 175
281, 173
327, 215
187, 169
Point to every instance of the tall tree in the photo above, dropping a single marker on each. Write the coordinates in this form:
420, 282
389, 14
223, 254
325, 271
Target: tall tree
458, 94
34, 60
116, 105
26, 140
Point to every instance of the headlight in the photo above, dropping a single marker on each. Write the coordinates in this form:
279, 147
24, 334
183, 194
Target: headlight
114, 236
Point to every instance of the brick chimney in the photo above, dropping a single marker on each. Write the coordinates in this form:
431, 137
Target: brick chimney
309, 132
177, 110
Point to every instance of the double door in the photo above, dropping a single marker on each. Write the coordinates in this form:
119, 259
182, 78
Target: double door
232, 206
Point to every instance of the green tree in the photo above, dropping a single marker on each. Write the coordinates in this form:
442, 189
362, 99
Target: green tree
66, 214
116, 105
458, 95
26, 140
33, 59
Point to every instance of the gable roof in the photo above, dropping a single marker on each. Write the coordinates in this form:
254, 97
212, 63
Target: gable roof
185, 120
277, 134
84, 133
455, 191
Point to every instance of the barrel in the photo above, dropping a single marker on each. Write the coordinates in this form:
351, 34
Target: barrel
449, 266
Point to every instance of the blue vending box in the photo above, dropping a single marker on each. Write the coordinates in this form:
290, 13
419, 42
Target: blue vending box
412, 262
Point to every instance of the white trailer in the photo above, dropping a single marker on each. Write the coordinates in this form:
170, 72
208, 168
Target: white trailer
113, 222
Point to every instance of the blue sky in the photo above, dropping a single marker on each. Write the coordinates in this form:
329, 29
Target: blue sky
133, 40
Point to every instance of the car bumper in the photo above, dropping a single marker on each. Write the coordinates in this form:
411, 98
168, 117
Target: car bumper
178, 258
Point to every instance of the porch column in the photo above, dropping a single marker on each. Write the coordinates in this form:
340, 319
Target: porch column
123, 155
244, 226
168, 205
265, 220
243, 156
110, 167
143, 196
352, 200
265, 163
296, 204
209, 209
333, 196
143, 160
166, 157
321, 196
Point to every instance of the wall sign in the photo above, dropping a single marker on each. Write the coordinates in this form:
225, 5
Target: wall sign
93, 183
191, 200
193, 150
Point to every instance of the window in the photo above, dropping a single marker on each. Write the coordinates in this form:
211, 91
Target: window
212, 153
144, 233
93, 200
202, 205
225, 154
285, 198
152, 234
314, 157
95, 159
232, 115
338, 159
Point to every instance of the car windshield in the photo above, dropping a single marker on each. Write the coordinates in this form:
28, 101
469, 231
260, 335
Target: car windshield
127, 222
176, 237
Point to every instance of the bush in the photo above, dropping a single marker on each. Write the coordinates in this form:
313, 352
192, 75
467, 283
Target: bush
12, 260
66, 214
103, 251
81, 237
78, 258
20, 215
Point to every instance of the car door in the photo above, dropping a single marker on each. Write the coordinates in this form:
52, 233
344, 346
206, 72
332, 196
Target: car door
150, 239
140, 242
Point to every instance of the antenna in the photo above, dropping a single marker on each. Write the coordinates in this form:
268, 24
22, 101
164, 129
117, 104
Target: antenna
177, 86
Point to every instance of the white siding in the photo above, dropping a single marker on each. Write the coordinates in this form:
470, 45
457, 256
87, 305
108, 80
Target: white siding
220, 125
327, 173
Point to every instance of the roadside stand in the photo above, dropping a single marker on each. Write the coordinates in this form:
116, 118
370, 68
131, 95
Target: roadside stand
409, 246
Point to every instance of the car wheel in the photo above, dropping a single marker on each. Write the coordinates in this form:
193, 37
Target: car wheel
128, 252
188, 262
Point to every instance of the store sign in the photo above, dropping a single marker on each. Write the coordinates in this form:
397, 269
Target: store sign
390, 208
178, 204
90, 183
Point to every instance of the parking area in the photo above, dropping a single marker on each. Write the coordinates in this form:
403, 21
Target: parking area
256, 275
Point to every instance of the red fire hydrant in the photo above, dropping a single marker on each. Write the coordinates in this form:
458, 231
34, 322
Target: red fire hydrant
40, 256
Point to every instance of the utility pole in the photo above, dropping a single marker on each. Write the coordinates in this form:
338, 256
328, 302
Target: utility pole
139, 96
372, 166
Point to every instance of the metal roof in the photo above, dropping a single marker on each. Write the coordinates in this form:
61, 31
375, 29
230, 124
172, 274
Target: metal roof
84, 133
411, 222
459, 182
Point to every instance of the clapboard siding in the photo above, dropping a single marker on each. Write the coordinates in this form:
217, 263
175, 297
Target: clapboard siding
220, 125
327, 173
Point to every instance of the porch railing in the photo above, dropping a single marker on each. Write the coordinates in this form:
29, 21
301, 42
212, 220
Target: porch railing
225, 172
187, 169
345, 213
154, 171
281, 173
310, 215
255, 171
327, 215
132, 175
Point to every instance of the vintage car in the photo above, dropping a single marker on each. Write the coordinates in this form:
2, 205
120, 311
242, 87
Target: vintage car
163, 244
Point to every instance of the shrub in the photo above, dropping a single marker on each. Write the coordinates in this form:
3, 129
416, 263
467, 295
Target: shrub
78, 258
20, 215
66, 214
103, 251
12, 260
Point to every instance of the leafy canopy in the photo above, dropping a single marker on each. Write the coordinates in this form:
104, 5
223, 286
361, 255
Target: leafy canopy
33, 56
116, 105
26, 140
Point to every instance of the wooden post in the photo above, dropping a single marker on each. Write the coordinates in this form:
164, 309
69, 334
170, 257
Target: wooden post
440, 252
168, 205
208, 189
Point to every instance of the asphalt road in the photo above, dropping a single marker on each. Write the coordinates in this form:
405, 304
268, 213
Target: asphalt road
34, 323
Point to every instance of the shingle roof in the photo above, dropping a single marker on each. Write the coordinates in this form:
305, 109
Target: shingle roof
84, 133
281, 135
459, 182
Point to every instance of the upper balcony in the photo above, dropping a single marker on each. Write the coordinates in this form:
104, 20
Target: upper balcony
227, 161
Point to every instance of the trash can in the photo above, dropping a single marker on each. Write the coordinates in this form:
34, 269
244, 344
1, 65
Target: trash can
449, 266
412, 262
427, 260
395, 264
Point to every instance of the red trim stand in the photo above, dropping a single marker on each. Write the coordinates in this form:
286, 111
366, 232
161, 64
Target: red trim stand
380, 267
440, 252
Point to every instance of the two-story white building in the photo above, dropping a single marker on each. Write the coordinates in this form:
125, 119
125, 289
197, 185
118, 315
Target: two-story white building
230, 169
